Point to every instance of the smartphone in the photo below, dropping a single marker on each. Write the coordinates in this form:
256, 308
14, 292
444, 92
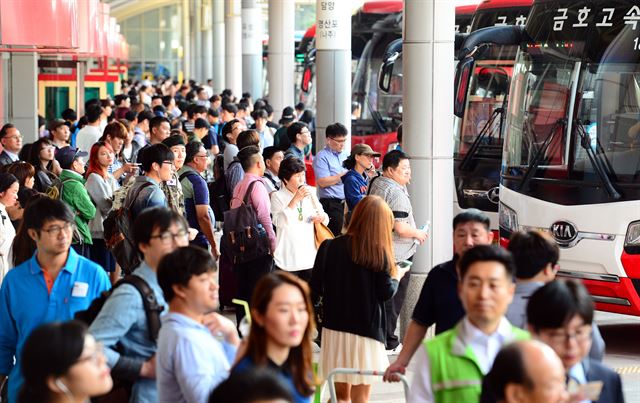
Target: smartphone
405, 264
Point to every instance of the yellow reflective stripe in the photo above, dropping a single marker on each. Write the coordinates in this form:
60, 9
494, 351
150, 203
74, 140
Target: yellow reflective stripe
455, 384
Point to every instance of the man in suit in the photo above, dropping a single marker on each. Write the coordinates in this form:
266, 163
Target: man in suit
11, 141
567, 330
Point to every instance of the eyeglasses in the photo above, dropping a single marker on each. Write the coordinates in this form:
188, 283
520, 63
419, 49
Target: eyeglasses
16, 137
338, 141
95, 357
56, 230
167, 237
201, 155
581, 335
167, 162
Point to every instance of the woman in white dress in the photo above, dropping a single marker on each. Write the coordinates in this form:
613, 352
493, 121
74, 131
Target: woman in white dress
9, 186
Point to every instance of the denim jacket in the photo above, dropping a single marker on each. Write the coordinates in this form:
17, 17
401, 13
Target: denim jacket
122, 322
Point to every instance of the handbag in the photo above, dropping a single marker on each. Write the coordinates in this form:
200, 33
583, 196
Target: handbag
320, 231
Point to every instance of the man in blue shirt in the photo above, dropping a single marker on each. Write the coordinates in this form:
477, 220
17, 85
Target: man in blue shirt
329, 171
196, 345
196, 196
122, 324
51, 286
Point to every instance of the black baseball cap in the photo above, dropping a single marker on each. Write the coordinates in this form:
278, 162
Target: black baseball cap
287, 115
201, 124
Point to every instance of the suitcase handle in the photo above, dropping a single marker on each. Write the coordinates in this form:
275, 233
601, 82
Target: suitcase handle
352, 371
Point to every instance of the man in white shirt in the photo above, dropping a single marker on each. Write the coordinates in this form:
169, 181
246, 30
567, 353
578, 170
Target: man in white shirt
451, 366
90, 133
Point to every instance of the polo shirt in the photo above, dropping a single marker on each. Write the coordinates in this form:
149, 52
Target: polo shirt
296, 152
196, 192
439, 302
329, 163
26, 303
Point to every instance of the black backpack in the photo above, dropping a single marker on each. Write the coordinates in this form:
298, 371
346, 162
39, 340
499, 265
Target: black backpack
118, 233
243, 237
151, 307
219, 195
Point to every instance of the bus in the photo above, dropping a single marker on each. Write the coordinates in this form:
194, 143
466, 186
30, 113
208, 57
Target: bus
571, 157
479, 106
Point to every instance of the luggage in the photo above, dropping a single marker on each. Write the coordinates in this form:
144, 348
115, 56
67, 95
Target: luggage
228, 282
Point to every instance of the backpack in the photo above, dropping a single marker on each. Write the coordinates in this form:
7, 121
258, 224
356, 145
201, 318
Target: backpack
243, 237
219, 195
152, 309
118, 234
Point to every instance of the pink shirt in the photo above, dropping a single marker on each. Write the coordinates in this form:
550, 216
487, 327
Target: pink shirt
259, 199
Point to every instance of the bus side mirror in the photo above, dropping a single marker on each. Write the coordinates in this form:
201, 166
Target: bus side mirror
307, 76
464, 71
386, 72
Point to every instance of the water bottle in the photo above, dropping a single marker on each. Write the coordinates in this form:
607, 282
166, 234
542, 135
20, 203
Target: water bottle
425, 228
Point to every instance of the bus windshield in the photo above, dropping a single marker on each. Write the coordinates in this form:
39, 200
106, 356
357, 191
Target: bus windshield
562, 110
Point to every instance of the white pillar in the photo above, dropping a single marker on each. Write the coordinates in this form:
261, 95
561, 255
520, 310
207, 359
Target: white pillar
217, 60
81, 71
233, 48
207, 40
186, 40
333, 67
281, 54
251, 48
24, 94
196, 23
427, 130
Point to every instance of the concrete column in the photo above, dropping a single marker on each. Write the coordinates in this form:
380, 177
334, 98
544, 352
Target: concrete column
81, 71
251, 48
196, 23
233, 48
427, 130
333, 67
186, 40
217, 59
207, 40
281, 55
24, 94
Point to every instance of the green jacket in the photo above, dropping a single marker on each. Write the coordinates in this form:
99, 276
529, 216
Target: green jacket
455, 373
77, 197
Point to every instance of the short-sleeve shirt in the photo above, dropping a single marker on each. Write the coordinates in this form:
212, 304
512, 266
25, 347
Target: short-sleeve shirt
196, 193
398, 200
329, 163
439, 303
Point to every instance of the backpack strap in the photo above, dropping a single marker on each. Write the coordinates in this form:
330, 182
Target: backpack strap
371, 183
135, 195
151, 307
247, 194
186, 175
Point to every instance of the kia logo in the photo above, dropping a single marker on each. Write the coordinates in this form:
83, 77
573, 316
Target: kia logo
563, 231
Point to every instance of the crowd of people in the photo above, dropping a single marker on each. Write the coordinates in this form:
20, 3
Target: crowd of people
324, 268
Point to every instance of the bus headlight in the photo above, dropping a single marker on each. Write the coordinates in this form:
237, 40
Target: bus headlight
632, 238
508, 219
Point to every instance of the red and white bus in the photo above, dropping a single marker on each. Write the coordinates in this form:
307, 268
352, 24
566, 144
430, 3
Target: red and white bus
571, 161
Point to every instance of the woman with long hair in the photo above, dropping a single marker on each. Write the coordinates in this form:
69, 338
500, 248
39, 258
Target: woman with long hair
61, 362
355, 274
281, 332
100, 186
42, 157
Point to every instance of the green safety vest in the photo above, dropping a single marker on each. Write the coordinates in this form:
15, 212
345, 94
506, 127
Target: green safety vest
455, 373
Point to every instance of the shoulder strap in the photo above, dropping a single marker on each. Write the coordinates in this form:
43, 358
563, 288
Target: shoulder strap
247, 194
186, 174
371, 183
151, 307
135, 196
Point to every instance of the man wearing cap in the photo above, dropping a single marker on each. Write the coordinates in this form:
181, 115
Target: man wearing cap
281, 139
59, 133
328, 169
360, 166
74, 193
196, 196
11, 141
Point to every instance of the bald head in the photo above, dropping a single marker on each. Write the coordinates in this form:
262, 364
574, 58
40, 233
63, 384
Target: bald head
525, 372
